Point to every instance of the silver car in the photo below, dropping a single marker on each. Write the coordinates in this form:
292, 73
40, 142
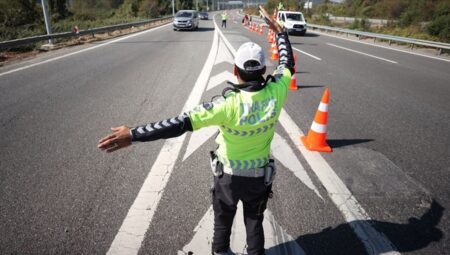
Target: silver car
185, 20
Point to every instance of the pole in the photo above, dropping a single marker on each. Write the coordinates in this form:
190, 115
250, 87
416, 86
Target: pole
48, 22
207, 7
173, 8
196, 5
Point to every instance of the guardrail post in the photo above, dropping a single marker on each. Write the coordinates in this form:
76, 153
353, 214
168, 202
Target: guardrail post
390, 42
47, 19
412, 46
374, 40
439, 51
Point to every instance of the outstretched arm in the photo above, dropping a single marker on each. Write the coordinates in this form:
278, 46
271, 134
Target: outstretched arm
123, 136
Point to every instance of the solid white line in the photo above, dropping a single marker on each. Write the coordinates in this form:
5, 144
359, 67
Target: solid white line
362, 53
132, 231
384, 47
307, 54
80, 51
375, 242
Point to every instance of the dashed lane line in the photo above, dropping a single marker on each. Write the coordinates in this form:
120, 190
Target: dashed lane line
307, 54
381, 46
362, 53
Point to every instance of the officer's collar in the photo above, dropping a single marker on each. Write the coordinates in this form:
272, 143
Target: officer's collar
250, 86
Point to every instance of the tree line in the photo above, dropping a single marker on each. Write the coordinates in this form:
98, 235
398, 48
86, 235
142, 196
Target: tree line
430, 17
21, 18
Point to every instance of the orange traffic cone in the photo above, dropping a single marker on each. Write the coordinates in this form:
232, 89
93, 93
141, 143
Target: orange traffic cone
316, 139
273, 46
274, 54
271, 39
268, 34
293, 85
261, 30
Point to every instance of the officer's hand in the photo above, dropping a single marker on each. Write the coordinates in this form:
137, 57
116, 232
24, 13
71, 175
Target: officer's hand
273, 24
120, 138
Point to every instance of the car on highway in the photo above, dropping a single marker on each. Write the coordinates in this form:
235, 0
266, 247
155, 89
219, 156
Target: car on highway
186, 20
294, 22
203, 15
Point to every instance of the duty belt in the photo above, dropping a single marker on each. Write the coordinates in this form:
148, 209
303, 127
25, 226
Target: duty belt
253, 172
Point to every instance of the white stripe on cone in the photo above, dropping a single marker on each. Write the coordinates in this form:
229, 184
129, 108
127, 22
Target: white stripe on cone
323, 107
318, 128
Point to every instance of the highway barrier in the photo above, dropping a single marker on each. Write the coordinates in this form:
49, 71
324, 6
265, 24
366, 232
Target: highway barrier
74, 33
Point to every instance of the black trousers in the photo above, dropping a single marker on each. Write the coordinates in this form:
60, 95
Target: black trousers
228, 190
224, 23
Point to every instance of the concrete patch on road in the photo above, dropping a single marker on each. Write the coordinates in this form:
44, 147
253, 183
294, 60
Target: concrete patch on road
368, 172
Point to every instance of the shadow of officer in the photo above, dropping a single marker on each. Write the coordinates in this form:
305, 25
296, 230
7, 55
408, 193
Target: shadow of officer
417, 234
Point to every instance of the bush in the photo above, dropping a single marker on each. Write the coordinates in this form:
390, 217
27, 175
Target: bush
440, 27
360, 24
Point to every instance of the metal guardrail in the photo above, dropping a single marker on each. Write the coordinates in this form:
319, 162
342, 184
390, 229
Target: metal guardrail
390, 38
29, 40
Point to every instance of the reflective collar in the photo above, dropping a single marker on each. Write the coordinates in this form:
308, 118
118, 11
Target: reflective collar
251, 86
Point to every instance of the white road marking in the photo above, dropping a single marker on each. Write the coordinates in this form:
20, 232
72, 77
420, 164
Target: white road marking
277, 241
132, 231
223, 55
198, 138
285, 155
362, 53
221, 78
384, 47
307, 54
375, 242
81, 51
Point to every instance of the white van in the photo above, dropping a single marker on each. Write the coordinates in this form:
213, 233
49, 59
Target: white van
293, 22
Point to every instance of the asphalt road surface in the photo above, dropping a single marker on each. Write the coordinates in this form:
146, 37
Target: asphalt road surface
383, 190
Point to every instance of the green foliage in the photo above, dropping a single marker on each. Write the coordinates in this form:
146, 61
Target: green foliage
440, 27
415, 18
360, 24
321, 20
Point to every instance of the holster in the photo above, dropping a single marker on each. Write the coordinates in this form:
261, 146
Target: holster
269, 172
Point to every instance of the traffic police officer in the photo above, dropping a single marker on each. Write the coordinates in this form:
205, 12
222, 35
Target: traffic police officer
224, 19
246, 115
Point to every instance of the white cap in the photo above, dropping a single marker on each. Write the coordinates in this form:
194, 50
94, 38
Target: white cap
250, 51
